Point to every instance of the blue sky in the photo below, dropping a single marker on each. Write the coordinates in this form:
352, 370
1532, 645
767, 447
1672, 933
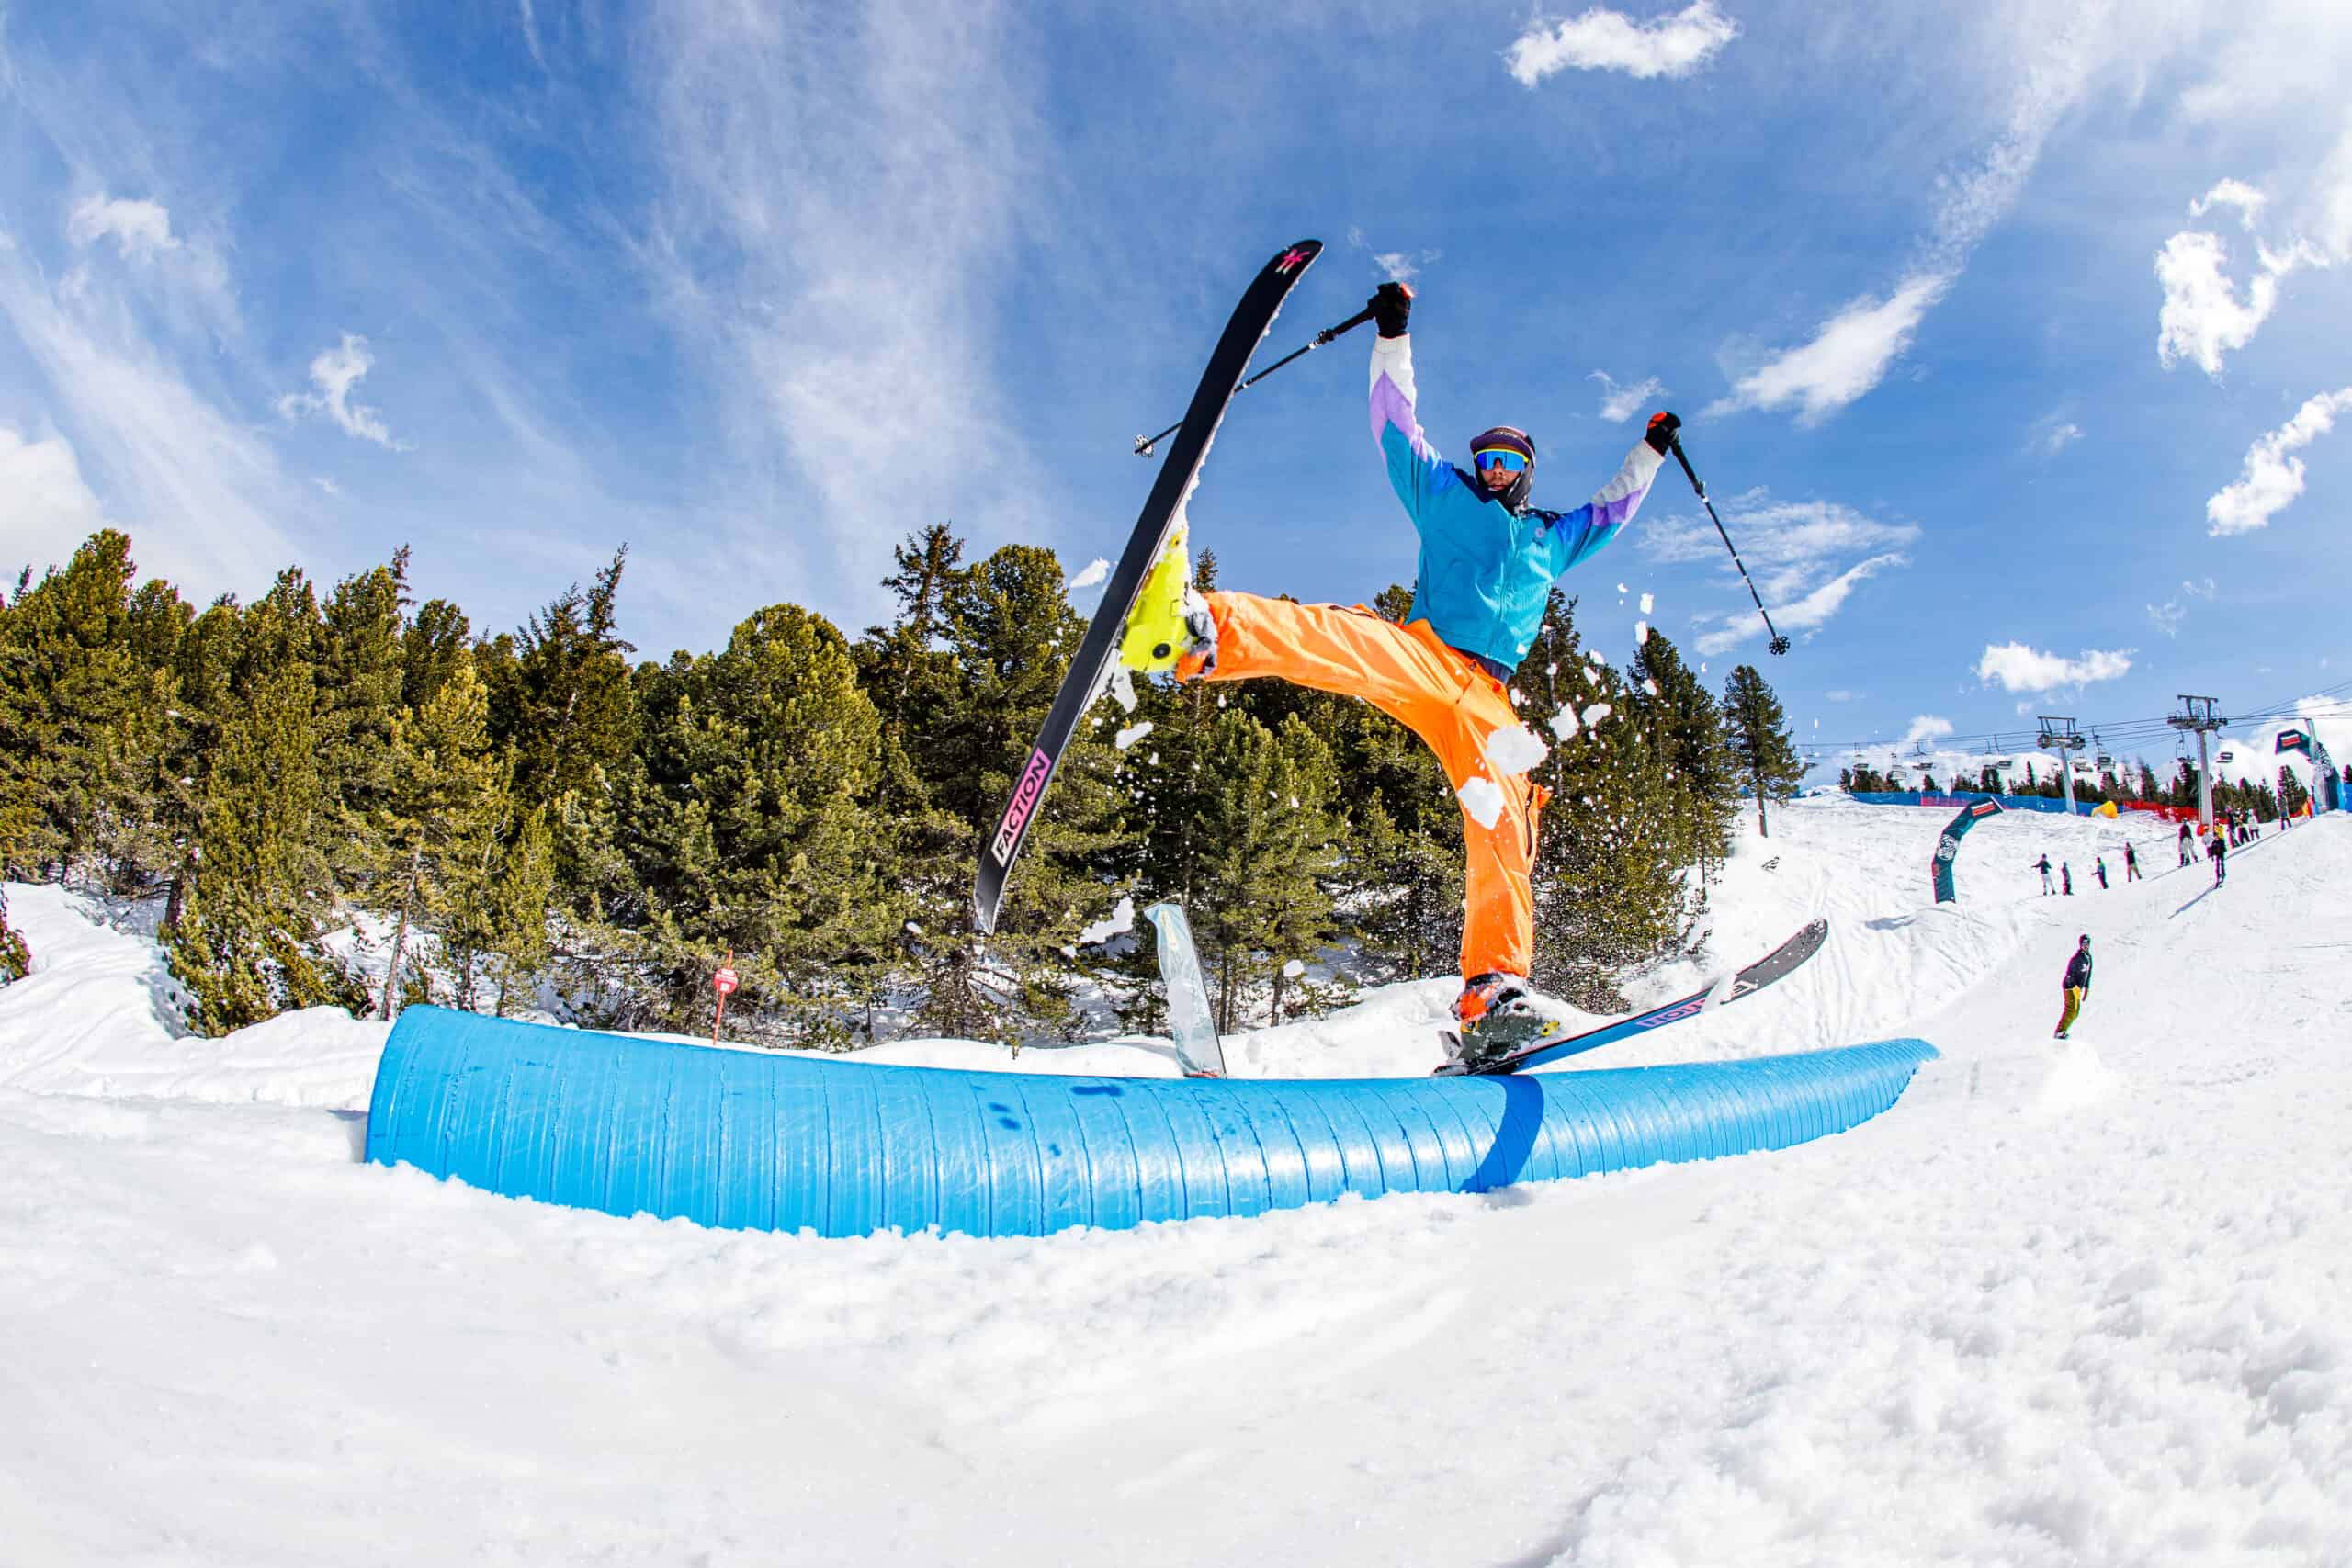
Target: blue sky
2013, 339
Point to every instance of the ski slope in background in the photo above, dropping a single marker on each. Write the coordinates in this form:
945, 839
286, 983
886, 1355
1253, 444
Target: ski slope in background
2064, 1304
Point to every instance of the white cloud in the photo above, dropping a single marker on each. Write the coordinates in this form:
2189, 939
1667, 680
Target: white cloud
1856, 345
1603, 40
2202, 318
2017, 667
1621, 403
1927, 727
2168, 616
1844, 696
2331, 204
854, 306
46, 509
1800, 553
335, 372
2054, 436
201, 495
2199, 590
2232, 193
1402, 265
141, 229
1849, 356
2272, 479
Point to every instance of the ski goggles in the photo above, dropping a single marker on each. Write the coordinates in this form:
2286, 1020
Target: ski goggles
1500, 458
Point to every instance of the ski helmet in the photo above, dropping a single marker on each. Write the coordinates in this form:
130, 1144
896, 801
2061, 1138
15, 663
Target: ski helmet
1509, 439
2086, 941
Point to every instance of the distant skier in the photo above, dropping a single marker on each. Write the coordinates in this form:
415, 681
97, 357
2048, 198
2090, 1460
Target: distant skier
2098, 869
2187, 850
2131, 864
2043, 867
1486, 563
2066, 879
2077, 985
2219, 850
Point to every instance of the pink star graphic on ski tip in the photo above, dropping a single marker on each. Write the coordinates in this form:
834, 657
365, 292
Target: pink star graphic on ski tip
1291, 258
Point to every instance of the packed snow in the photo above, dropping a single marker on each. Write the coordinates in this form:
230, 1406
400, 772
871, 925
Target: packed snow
2064, 1304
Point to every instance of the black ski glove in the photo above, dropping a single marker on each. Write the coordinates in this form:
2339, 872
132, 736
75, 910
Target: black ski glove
1660, 434
1391, 306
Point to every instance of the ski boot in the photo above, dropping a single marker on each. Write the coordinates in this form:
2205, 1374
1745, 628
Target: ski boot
1171, 626
1500, 1017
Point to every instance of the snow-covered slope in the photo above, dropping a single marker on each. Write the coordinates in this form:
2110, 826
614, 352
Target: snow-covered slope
2064, 1304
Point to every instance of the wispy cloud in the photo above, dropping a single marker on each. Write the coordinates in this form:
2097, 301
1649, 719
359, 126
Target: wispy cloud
850, 307
142, 229
1402, 265
2167, 617
203, 497
2018, 668
1800, 553
1849, 356
2053, 435
1860, 343
1602, 40
2197, 590
143, 239
337, 373
1619, 403
2272, 476
1842, 695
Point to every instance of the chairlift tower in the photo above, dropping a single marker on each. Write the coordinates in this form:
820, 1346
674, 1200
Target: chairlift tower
2197, 714
2060, 735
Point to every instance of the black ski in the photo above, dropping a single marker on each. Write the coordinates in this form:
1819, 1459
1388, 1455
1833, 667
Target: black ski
1783, 960
1092, 664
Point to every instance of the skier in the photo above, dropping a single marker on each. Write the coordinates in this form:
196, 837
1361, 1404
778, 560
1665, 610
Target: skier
2131, 864
2066, 879
2219, 850
2098, 869
2043, 867
2077, 985
1486, 563
2187, 854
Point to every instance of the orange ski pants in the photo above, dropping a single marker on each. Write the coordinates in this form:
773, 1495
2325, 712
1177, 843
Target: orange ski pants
1439, 695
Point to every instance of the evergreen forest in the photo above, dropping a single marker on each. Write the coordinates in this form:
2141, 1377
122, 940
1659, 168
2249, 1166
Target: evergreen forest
335, 795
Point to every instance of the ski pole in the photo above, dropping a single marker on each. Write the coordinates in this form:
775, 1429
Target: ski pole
1779, 643
1144, 444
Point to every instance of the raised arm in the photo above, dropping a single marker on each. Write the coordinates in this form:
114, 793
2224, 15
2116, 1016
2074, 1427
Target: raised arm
1415, 472
1581, 533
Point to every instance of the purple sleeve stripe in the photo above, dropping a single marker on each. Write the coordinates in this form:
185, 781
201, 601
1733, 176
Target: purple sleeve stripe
1390, 406
1612, 513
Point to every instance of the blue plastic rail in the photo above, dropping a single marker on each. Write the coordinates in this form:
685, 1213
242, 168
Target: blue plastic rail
744, 1139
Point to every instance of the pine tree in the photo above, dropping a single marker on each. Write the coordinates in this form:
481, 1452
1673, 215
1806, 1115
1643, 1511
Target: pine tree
1760, 744
246, 944
83, 717
748, 822
560, 692
448, 796
1687, 736
1403, 873
1608, 885
1268, 838
1013, 633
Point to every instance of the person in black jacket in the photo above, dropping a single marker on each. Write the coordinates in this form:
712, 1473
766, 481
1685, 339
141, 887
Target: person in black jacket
2131, 864
2077, 985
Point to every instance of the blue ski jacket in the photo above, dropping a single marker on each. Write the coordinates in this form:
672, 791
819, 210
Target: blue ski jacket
1484, 571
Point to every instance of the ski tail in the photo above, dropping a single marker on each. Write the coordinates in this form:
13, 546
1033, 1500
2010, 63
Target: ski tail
1087, 669
1776, 964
